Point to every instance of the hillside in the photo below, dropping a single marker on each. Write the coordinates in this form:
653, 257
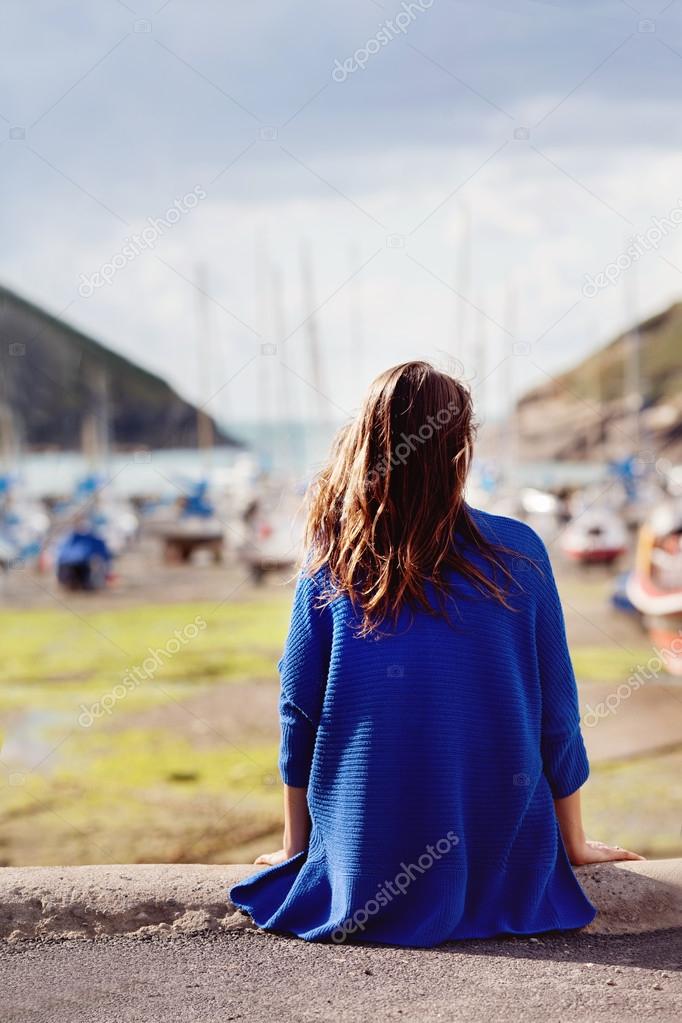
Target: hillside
52, 376
583, 413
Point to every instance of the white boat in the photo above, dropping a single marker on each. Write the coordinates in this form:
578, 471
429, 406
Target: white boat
595, 536
655, 586
274, 528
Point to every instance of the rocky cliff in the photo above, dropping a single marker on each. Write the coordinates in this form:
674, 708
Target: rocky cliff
54, 379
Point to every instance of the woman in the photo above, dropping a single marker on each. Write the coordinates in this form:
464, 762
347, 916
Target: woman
430, 736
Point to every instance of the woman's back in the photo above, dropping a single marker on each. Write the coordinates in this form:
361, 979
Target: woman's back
424, 764
450, 706
428, 707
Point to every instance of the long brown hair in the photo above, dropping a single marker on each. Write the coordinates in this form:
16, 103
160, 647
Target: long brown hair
384, 511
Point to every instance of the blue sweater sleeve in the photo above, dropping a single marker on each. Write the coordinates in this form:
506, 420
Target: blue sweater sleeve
563, 751
303, 672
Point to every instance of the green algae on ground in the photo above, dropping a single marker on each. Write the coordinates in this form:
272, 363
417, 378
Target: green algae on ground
71, 793
138, 796
238, 640
635, 803
146, 795
610, 663
142, 760
123, 792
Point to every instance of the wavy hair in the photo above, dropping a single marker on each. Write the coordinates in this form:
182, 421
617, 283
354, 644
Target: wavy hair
384, 513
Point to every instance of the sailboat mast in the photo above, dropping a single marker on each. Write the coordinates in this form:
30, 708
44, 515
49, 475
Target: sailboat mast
283, 402
95, 424
8, 444
463, 288
8, 433
511, 428
356, 318
481, 365
263, 314
312, 333
205, 436
633, 364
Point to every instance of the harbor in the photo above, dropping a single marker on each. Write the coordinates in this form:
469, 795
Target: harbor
145, 593
123, 743
340, 512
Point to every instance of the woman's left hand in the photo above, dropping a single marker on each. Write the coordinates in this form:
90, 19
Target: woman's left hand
296, 828
272, 859
599, 852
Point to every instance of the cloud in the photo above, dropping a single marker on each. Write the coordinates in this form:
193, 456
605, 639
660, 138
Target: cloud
554, 128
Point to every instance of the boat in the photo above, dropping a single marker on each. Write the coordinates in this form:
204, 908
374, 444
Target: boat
539, 502
619, 596
23, 525
655, 585
90, 528
595, 536
274, 526
196, 526
83, 560
107, 516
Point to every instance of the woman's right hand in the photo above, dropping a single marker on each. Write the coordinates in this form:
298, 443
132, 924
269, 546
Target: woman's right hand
273, 859
598, 852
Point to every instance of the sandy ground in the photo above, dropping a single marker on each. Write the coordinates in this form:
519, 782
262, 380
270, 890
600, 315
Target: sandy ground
260, 977
649, 720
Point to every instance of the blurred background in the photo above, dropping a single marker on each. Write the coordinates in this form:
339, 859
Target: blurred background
219, 222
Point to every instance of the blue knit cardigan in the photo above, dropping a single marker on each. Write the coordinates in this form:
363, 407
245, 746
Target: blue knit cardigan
431, 756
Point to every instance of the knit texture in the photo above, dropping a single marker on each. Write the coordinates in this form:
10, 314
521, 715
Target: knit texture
431, 755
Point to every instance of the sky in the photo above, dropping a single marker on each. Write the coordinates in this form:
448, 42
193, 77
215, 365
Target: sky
455, 176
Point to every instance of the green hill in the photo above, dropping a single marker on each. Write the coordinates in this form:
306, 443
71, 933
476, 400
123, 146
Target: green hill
585, 412
602, 375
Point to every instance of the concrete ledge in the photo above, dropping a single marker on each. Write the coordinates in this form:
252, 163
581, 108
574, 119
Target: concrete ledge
137, 899
147, 899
